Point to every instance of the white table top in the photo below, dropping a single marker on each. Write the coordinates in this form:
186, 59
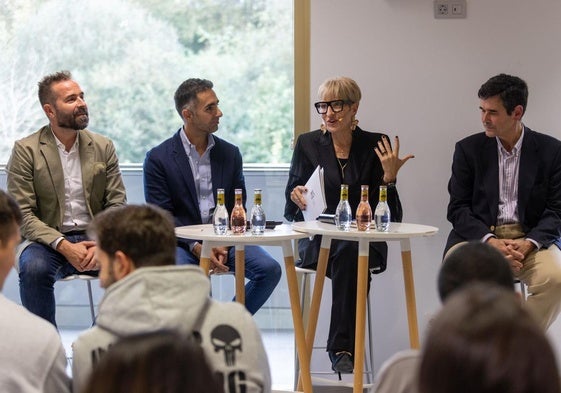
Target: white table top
398, 230
205, 232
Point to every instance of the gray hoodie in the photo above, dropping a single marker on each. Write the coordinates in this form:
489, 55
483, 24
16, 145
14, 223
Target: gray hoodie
177, 297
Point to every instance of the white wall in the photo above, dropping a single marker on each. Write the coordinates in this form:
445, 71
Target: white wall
419, 77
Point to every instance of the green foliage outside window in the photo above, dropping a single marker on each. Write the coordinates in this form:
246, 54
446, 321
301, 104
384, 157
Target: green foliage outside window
130, 56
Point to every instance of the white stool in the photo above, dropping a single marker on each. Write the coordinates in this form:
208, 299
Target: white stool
88, 280
305, 274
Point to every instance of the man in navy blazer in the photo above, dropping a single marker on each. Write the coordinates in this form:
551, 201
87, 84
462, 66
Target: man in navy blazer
505, 190
182, 175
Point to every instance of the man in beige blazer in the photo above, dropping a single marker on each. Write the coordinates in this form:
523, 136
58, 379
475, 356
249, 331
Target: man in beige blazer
61, 176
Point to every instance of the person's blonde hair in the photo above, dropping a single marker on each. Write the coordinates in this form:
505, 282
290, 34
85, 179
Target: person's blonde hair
342, 87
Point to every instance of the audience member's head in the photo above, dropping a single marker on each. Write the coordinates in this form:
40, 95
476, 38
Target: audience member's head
156, 362
473, 261
130, 237
465, 265
484, 341
10, 220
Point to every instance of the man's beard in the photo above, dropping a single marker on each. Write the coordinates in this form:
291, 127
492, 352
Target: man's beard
76, 121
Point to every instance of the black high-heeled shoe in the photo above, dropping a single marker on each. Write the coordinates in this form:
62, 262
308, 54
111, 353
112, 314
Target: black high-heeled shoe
341, 361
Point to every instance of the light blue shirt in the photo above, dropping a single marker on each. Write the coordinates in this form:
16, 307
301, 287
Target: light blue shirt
200, 168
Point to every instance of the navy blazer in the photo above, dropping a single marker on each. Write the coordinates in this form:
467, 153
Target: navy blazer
474, 188
169, 183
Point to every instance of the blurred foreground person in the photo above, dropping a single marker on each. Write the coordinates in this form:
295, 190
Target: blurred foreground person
485, 341
155, 362
32, 359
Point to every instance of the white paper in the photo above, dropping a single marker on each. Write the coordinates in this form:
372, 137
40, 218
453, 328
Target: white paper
315, 197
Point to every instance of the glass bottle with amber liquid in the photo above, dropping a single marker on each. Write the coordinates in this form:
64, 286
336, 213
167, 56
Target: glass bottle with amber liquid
363, 211
343, 213
220, 215
238, 217
382, 211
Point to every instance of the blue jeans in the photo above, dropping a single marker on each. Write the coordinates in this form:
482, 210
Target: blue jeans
261, 269
39, 268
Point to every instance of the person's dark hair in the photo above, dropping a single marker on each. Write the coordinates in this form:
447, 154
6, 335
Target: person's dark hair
473, 261
145, 233
187, 92
485, 341
45, 91
512, 90
10, 216
156, 362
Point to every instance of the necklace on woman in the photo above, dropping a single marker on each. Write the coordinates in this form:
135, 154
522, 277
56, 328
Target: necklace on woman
342, 164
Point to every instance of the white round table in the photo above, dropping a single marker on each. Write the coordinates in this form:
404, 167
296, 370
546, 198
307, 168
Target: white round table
401, 232
281, 235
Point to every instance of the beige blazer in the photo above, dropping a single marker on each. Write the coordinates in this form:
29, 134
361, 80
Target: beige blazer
36, 180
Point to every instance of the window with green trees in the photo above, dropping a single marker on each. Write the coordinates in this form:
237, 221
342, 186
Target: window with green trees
129, 56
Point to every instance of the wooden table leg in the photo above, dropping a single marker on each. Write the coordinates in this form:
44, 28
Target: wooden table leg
300, 339
317, 293
316, 296
361, 293
240, 273
410, 293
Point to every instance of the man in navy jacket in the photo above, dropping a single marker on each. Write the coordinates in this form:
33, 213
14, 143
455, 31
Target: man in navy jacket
182, 175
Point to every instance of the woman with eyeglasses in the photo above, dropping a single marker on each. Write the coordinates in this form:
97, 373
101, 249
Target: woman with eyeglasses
352, 156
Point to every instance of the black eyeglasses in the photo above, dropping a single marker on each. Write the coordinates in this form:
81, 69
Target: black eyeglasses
336, 106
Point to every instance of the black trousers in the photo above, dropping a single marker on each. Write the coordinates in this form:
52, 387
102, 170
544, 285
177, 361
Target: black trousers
342, 269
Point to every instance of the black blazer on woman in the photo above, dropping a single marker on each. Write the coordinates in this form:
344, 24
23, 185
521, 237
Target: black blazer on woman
316, 148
